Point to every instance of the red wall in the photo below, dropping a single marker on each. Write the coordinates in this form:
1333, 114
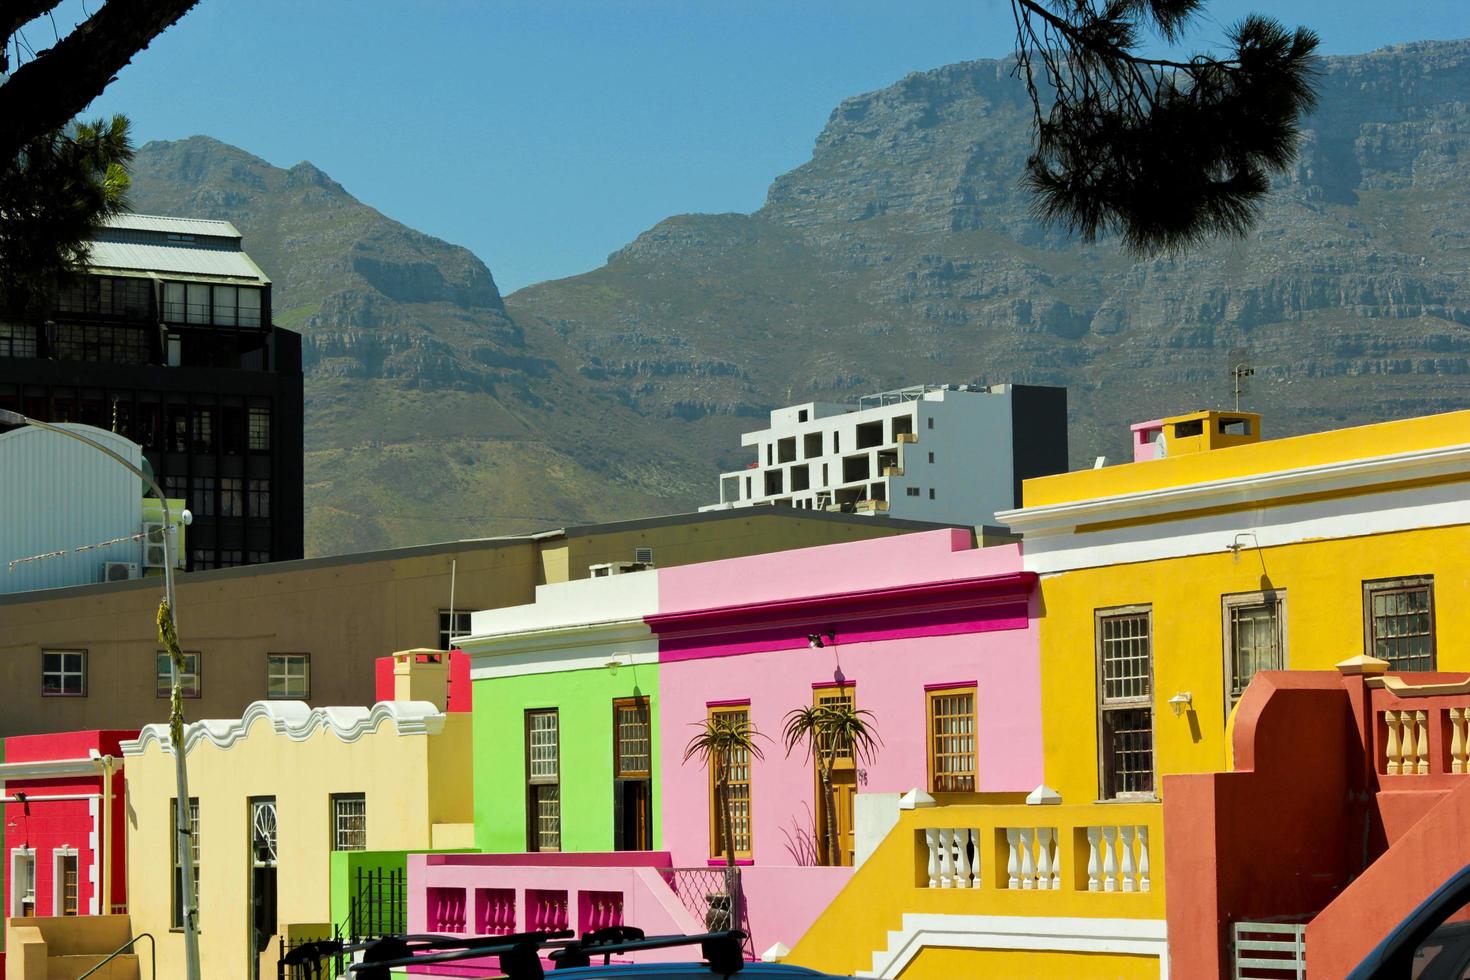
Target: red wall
460, 690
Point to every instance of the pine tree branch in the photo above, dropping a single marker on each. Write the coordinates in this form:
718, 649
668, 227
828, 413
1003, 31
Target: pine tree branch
43, 94
15, 14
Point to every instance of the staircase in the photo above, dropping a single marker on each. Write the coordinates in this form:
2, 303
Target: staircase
66, 947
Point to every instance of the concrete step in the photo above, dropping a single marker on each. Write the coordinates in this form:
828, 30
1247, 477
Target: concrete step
72, 966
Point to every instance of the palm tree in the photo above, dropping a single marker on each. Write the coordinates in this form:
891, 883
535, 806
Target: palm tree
724, 740
831, 731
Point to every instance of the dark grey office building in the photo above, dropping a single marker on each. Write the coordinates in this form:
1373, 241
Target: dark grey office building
168, 340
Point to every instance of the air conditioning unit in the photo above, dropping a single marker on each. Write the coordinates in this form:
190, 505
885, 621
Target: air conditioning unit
604, 569
155, 554
643, 556
119, 571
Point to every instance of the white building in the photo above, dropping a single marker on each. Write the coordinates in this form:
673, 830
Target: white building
76, 514
943, 453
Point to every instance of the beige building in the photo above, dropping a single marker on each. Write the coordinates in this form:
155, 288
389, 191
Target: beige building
87, 657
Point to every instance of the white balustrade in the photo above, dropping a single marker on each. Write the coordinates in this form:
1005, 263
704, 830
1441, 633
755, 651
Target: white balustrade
1032, 859
953, 857
1117, 858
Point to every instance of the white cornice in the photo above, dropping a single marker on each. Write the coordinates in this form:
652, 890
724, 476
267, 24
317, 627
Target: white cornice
298, 722
1258, 488
492, 646
49, 768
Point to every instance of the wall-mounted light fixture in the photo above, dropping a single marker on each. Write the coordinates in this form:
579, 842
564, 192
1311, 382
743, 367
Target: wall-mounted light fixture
1181, 701
818, 640
613, 664
1234, 547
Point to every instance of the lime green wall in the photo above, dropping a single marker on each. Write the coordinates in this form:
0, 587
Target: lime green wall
583, 699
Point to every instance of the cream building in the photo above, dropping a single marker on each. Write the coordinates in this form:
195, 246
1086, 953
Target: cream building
275, 792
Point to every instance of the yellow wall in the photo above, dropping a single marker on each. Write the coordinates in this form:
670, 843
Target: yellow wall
948, 963
1382, 439
389, 769
1322, 584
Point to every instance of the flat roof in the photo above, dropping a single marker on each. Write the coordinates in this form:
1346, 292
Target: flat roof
500, 541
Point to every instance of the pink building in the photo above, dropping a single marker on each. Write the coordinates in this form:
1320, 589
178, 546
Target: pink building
64, 828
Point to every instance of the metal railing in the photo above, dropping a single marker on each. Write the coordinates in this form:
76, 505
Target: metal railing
1268, 950
379, 904
318, 964
152, 955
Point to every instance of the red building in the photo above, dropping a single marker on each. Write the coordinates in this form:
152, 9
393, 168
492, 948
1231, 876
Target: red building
64, 832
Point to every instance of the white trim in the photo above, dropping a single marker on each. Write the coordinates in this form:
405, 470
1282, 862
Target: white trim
31, 798
551, 658
1140, 937
57, 853
494, 645
298, 722
48, 768
16, 854
1440, 505
94, 810
1256, 488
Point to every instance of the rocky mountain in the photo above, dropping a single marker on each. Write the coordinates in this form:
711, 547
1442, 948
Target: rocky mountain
902, 252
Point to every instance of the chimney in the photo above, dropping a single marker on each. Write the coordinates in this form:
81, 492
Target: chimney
421, 675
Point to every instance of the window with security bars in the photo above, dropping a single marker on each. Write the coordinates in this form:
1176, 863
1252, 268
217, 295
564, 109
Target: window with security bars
543, 779
1125, 703
952, 740
1254, 639
1398, 618
349, 822
832, 696
738, 792
173, 852
632, 739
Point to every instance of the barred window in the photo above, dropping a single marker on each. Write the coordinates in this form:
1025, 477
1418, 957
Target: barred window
952, 740
739, 791
1398, 620
1255, 639
1125, 702
349, 822
543, 790
632, 739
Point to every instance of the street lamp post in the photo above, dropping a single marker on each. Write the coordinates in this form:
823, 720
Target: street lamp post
183, 838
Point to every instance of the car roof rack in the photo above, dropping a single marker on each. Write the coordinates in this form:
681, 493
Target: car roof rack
519, 954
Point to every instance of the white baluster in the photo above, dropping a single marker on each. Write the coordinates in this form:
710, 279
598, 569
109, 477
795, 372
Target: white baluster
1093, 863
946, 857
1421, 755
931, 837
1457, 740
1013, 857
1143, 858
1391, 752
1028, 860
962, 852
1129, 883
1110, 859
1043, 858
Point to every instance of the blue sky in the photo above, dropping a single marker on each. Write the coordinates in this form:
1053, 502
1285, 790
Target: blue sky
543, 134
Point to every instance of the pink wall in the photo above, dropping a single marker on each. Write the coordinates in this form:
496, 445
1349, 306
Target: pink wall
55, 823
934, 632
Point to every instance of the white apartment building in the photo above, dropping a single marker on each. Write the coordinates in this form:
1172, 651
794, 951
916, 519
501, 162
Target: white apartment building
944, 453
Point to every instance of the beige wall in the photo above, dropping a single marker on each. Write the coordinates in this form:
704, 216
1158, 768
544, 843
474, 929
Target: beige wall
345, 612
391, 770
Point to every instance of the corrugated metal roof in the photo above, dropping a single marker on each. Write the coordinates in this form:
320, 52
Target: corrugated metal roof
165, 259
177, 226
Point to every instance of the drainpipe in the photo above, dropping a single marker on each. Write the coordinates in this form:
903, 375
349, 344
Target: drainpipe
105, 763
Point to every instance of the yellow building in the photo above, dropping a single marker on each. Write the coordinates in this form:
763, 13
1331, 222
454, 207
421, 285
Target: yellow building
1165, 585
274, 793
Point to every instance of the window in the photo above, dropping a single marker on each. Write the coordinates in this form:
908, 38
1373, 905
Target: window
739, 802
349, 822
930, 422
224, 305
64, 881
911, 491
230, 504
173, 852
1398, 622
931, 457
1254, 639
257, 557
202, 560
196, 308
842, 694
173, 302
64, 673
543, 779
952, 740
204, 430
178, 429
448, 630
23, 881
264, 833
632, 741
17, 340
259, 436
288, 675
163, 682
231, 558
1125, 703
931, 493
202, 499
232, 430
258, 498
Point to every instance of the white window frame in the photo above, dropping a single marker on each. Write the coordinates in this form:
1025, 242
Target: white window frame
286, 677
163, 682
17, 898
58, 882
64, 673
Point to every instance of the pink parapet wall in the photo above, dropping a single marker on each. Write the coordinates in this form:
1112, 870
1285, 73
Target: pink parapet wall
908, 613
